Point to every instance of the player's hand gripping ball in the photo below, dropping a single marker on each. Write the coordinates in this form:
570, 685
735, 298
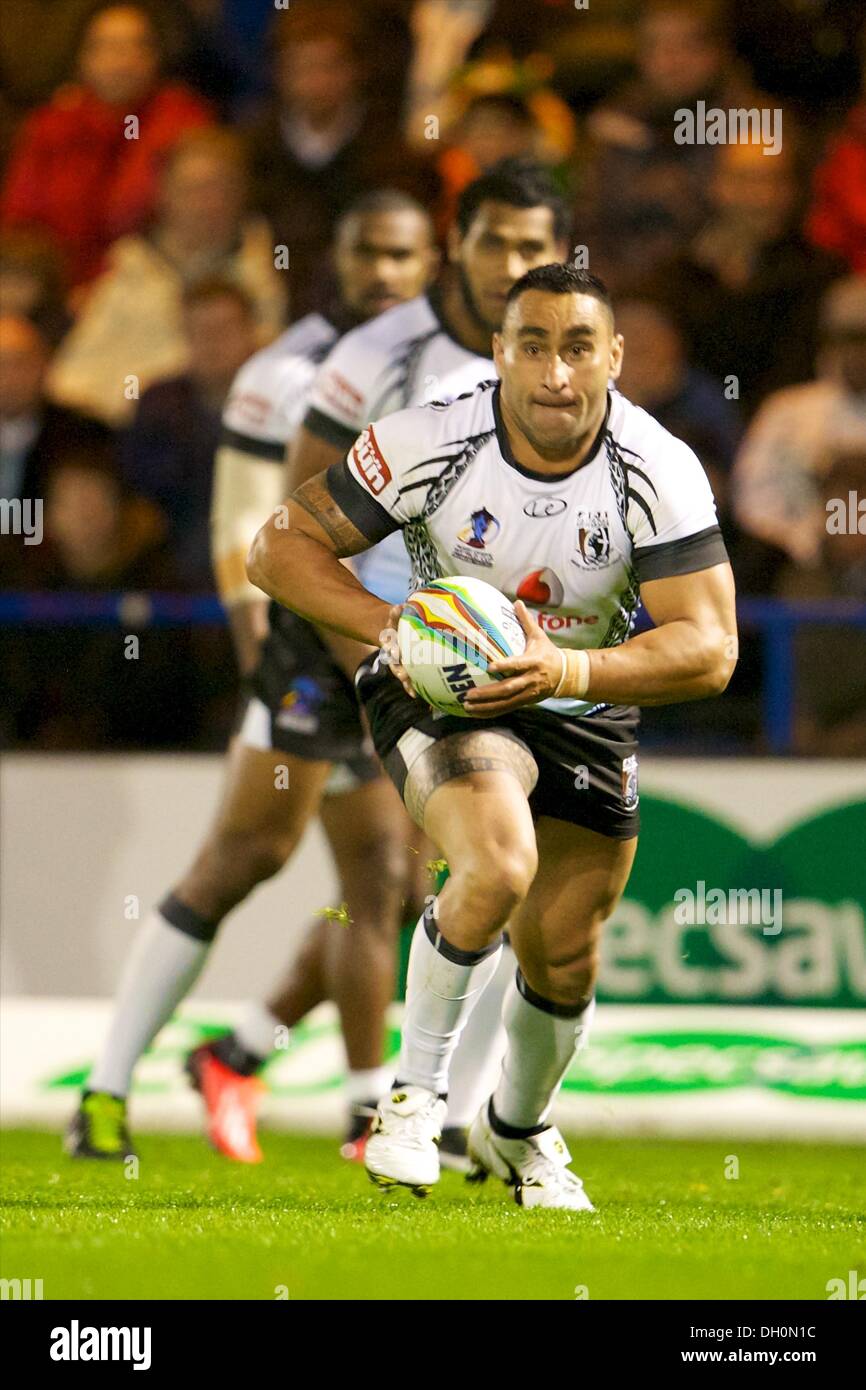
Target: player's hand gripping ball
448, 634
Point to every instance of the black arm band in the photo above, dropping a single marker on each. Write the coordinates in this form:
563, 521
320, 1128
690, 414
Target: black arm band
355, 502
698, 552
269, 449
324, 427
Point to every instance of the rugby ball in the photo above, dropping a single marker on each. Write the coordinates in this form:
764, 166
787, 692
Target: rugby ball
448, 634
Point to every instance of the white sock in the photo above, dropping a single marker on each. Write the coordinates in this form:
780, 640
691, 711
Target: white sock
541, 1045
364, 1086
257, 1030
477, 1062
441, 992
163, 965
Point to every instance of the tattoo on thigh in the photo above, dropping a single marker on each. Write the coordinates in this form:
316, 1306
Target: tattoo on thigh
482, 750
315, 498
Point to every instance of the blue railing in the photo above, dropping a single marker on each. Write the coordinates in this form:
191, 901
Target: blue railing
776, 620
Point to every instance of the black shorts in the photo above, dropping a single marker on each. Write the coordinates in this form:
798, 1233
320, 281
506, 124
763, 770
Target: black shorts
587, 767
300, 701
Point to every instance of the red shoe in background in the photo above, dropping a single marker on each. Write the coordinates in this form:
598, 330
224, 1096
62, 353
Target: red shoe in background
231, 1101
360, 1119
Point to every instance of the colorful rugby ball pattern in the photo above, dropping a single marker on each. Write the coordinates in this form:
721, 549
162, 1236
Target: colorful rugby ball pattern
449, 632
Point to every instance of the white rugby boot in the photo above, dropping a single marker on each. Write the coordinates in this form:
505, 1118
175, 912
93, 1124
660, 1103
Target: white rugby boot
403, 1144
535, 1168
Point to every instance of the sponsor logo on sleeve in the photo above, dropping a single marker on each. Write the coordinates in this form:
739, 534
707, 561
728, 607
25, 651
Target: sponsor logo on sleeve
370, 463
249, 406
340, 393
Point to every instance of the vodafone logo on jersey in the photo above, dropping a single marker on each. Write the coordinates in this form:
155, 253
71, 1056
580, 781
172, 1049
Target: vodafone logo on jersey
541, 587
370, 463
564, 622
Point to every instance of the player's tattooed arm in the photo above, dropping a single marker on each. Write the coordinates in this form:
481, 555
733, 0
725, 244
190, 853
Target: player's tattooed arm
318, 503
296, 559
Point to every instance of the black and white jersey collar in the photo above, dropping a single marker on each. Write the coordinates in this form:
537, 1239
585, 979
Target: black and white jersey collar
508, 454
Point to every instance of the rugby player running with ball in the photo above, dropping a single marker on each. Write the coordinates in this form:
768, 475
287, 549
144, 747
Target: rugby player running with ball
528, 842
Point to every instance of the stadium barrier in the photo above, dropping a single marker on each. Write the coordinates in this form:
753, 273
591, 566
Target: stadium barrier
777, 622
733, 974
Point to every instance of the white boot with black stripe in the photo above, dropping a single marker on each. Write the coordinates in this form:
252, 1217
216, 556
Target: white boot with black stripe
535, 1166
403, 1144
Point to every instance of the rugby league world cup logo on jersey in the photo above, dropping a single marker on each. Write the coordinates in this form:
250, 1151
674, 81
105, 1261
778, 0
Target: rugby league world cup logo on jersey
593, 540
481, 530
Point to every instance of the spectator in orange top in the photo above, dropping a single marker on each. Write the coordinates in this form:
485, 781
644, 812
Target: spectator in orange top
83, 165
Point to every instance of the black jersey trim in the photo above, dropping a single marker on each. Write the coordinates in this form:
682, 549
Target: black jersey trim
508, 455
633, 496
370, 517
326, 427
698, 552
272, 449
632, 468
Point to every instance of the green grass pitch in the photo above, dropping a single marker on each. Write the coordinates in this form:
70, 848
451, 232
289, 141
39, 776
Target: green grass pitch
306, 1225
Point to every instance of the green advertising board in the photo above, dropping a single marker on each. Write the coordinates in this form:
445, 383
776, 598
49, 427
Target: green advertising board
812, 951
717, 912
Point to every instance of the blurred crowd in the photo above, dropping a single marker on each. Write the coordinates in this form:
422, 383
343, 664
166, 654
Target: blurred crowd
172, 175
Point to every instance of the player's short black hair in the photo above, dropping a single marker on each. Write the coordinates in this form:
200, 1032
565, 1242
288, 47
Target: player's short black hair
560, 278
521, 183
379, 200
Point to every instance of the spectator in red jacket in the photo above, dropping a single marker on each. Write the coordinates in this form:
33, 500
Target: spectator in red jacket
837, 220
83, 166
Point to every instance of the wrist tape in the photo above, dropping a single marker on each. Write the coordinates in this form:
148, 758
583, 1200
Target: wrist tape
574, 681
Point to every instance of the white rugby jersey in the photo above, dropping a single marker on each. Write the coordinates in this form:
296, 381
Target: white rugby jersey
575, 548
265, 405
269, 395
404, 357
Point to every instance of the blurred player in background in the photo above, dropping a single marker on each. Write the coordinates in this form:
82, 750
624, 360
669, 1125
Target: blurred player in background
308, 746
302, 703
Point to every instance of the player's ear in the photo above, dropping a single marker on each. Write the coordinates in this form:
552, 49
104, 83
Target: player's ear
498, 351
617, 348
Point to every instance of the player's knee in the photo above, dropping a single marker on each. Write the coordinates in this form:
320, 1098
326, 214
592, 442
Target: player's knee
254, 856
571, 980
375, 879
494, 881
515, 871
